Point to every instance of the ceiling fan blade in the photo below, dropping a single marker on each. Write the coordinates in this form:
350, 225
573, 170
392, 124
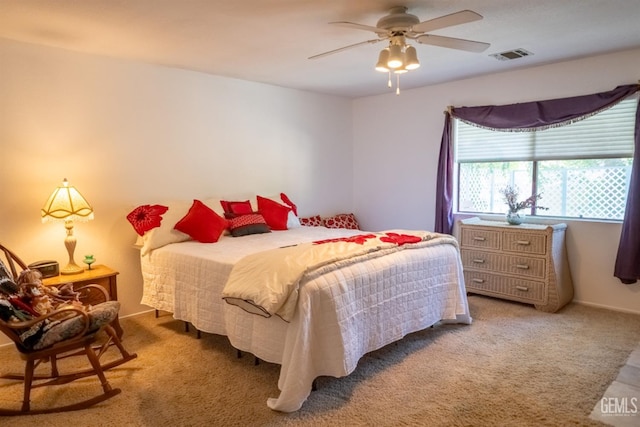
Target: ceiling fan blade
320, 55
453, 43
457, 18
347, 24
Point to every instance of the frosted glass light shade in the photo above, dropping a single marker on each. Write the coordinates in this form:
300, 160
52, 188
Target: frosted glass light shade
396, 57
381, 65
411, 58
400, 70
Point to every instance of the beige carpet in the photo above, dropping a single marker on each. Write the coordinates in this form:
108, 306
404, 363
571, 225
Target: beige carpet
514, 366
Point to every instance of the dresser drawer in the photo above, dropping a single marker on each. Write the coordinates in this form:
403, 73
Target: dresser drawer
524, 243
509, 264
523, 290
479, 238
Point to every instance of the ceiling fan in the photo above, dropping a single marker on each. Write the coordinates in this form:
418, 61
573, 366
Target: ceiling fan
398, 26
399, 23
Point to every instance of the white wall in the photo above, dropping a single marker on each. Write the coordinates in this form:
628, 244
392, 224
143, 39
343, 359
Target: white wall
126, 134
397, 143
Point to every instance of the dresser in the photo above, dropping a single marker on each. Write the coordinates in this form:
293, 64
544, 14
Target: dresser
526, 263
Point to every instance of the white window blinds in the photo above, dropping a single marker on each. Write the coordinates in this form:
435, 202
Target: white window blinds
608, 134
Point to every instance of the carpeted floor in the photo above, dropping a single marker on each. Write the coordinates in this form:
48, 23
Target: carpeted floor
514, 366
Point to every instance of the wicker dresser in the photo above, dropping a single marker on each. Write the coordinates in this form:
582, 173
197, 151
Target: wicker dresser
526, 263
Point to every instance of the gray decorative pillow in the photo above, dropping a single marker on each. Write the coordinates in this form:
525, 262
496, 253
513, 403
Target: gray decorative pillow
99, 315
244, 225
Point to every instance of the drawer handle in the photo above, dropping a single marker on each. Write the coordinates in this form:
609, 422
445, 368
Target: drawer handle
522, 288
479, 239
477, 280
478, 261
522, 266
523, 242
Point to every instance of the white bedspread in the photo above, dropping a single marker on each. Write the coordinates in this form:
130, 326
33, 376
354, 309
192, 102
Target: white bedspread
267, 282
341, 314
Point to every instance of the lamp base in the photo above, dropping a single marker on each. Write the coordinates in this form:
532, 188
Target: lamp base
70, 244
71, 268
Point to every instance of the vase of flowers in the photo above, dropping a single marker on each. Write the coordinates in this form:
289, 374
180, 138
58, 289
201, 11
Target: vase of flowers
514, 214
515, 218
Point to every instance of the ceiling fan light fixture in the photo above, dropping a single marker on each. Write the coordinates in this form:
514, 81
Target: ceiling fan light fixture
383, 58
396, 56
398, 26
401, 70
411, 58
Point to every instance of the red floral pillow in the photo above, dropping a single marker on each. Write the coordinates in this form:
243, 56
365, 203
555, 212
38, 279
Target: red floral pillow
146, 217
342, 221
312, 221
201, 223
274, 213
243, 225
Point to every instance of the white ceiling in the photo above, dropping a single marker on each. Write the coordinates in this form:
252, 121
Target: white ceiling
269, 41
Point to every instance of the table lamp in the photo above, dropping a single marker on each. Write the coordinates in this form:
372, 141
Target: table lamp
67, 204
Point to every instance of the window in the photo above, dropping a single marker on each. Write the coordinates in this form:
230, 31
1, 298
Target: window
582, 169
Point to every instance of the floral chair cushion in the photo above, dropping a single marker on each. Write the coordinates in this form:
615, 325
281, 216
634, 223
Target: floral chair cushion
99, 316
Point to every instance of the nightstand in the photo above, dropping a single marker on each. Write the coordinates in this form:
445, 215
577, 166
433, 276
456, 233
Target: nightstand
99, 275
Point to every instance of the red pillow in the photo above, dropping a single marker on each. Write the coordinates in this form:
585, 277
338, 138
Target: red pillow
312, 221
274, 213
287, 201
342, 221
236, 207
202, 223
146, 217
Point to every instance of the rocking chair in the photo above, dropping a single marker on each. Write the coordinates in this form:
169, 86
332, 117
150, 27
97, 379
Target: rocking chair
77, 333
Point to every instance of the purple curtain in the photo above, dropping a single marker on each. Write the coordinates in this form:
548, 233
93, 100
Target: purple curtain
627, 267
536, 115
444, 184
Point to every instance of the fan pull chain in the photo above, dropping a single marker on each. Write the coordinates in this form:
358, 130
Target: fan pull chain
389, 84
397, 84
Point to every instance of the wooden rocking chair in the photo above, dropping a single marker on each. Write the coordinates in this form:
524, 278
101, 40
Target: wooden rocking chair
82, 340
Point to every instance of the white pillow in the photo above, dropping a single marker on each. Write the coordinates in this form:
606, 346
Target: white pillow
165, 234
293, 221
214, 204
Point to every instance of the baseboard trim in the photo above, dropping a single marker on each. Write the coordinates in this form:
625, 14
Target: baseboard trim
606, 307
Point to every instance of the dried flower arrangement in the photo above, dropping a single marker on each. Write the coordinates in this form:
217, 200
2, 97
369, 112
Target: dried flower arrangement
510, 194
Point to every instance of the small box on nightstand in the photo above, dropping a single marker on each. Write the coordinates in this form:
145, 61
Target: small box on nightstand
46, 268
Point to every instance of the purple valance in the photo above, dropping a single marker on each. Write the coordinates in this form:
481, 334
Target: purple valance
542, 114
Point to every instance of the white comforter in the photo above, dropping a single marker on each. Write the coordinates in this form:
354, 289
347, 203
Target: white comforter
341, 314
267, 282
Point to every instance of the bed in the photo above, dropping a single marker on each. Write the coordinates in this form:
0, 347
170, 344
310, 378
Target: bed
342, 310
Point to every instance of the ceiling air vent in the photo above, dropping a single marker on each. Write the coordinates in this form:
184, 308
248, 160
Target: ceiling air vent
511, 54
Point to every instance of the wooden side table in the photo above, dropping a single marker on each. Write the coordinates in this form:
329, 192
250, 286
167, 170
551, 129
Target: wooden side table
99, 275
